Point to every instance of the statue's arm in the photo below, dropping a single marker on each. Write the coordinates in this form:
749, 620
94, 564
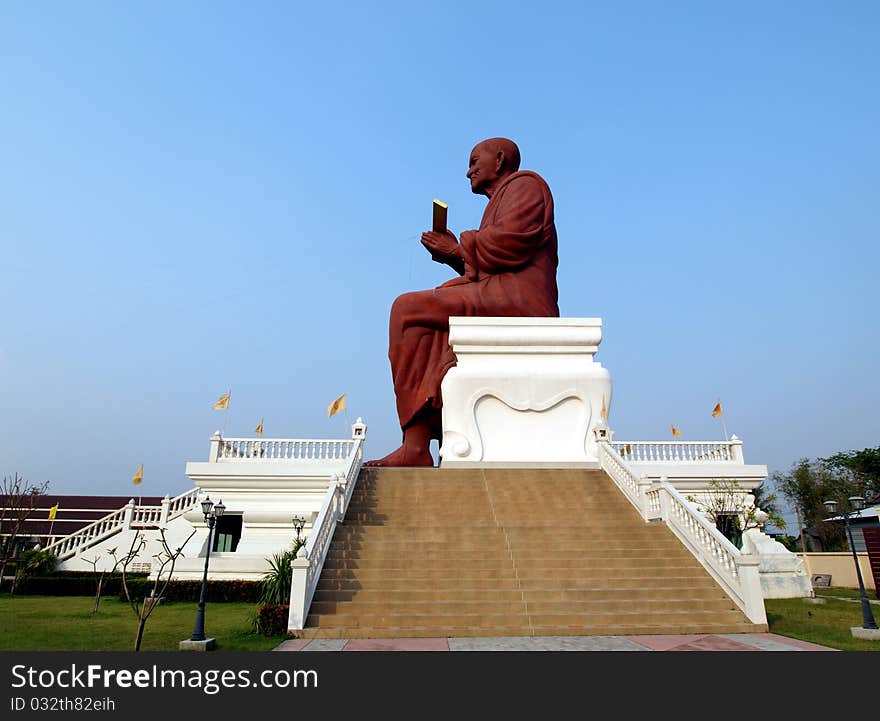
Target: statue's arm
510, 241
444, 248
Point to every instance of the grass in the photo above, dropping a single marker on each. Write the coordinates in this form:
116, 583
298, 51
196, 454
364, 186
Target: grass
55, 623
52, 623
827, 624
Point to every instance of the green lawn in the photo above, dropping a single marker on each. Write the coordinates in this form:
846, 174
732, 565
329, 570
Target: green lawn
827, 624
56, 623
47, 623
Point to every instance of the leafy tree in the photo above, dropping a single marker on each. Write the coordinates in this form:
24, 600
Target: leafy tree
767, 500
807, 485
862, 468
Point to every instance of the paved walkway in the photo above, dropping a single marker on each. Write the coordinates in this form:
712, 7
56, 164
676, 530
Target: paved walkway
697, 642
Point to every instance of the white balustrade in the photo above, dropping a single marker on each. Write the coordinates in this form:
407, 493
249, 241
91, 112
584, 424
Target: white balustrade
182, 503
91, 534
283, 449
735, 572
678, 451
306, 569
146, 516
622, 475
129, 516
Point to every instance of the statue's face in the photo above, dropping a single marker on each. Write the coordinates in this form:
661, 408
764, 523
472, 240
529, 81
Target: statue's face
483, 168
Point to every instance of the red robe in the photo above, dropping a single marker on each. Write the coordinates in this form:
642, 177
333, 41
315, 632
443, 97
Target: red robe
510, 270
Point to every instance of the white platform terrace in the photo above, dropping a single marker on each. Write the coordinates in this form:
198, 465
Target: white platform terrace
265, 482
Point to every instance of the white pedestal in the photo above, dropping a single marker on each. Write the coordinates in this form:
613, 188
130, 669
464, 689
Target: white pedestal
525, 392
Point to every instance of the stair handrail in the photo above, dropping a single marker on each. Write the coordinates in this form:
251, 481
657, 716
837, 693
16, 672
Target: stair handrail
634, 487
179, 505
736, 572
125, 517
95, 531
309, 563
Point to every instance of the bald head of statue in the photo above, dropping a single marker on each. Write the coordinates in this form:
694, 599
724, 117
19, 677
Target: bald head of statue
490, 162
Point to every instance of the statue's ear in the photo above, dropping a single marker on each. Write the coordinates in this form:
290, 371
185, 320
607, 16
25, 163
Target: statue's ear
500, 161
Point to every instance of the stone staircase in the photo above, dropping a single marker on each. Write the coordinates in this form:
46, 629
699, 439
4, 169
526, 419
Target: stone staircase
504, 552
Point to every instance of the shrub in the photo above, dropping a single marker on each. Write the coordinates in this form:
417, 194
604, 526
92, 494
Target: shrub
70, 583
35, 563
217, 591
275, 586
272, 620
276, 581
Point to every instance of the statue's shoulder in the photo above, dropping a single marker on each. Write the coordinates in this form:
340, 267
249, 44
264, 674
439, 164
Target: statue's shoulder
526, 181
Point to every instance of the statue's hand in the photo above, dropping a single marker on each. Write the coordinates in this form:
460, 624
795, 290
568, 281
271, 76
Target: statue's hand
443, 247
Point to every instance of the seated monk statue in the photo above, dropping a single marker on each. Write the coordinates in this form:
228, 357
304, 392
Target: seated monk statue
507, 267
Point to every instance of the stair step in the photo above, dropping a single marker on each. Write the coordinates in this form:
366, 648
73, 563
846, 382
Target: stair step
508, 552
659, 593
633, 629
523, 565
520, 606
522, 620
495, 554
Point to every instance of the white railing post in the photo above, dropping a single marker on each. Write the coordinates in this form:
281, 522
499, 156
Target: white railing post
750, 585
299, 571
644, 485
358, 430
736, 450
214, 452
128, 517
163, 514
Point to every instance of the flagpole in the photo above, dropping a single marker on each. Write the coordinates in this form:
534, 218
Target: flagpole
723, 423
801, 530
226, 412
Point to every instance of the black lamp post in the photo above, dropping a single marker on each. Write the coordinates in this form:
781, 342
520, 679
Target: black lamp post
212, 514
298, 524
857, 503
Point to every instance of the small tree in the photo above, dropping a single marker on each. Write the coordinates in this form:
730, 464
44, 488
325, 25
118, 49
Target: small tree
18, 497
99, 575
166, 559
734, 510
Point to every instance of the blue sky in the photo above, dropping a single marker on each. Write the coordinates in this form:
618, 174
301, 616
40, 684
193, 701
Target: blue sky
208, 197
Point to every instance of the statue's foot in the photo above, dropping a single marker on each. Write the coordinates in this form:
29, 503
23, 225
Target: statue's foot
404, 456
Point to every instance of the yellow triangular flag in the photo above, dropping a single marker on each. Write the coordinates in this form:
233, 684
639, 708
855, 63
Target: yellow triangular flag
259, 428
336, 406
716, 411
675, 431
139, 476
52, 512
604, 410
222, 402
